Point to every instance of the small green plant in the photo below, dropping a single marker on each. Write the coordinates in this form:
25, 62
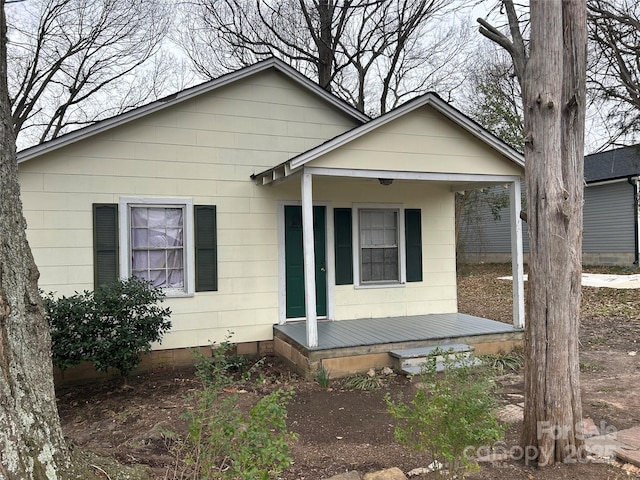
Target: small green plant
512, 361
214, 371
110, 326
363, 382
596, 340
586, 366
453, 411
600, 404
222, 443
323, 376
225, 367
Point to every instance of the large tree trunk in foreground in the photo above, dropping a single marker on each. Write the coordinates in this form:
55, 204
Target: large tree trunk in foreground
554, 149
552, 77
31, 441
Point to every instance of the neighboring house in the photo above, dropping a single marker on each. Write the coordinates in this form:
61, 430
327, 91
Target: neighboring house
610, 233
209, 193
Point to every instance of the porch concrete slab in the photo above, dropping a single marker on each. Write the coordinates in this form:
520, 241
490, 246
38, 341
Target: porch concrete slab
347, 347
624, 444
394, 330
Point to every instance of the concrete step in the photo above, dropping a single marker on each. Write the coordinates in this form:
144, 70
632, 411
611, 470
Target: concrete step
415, 369
411, 360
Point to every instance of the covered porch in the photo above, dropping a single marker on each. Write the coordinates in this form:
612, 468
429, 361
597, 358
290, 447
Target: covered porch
378, 261
351, 346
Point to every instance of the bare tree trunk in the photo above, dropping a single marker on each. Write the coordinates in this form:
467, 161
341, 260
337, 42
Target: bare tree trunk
31, 441
554, 149
552, 78
326, 51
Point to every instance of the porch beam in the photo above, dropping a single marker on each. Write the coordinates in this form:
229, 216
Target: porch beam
475, 186
517, 260
309, 260
404, 175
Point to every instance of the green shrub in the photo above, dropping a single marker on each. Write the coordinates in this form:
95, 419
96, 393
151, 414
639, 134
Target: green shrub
109, 327
262, 450
453, 411
72, 328
222, 443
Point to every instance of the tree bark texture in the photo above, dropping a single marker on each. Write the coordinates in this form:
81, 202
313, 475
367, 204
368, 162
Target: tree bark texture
31, 441
554, 102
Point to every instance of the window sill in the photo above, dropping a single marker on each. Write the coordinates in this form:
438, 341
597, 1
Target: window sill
174, 294
366, 286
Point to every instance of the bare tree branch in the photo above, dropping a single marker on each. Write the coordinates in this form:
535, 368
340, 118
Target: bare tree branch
356, 48
64, 52
515, 46
614, 77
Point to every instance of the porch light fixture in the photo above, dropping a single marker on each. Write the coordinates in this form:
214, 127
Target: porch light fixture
385, 181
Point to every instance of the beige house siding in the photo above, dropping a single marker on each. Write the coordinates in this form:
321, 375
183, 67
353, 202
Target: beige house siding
437, 292
421, 141
204, 149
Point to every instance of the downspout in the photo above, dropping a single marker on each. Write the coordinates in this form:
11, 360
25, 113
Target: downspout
635, 183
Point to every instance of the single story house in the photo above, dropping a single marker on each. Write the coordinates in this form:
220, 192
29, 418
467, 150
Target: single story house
611, 234
258, 199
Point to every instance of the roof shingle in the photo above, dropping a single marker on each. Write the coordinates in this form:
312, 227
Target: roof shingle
613, 164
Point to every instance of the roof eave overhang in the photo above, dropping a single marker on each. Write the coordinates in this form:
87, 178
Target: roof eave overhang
274, 175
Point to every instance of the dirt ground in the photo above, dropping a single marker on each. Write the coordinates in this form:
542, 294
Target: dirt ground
340, 429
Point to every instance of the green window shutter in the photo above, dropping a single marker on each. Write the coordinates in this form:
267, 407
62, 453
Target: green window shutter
206, 248
343, 246
105, 243
413, 239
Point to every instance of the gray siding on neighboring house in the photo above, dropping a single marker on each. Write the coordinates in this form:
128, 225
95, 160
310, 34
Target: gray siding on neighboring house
608, 227
481, 233
609, 232
608, 218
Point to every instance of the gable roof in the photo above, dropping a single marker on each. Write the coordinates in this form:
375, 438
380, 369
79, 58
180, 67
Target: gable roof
431, 99
173, 99
613, 164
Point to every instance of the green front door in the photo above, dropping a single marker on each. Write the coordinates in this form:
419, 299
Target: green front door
294, 260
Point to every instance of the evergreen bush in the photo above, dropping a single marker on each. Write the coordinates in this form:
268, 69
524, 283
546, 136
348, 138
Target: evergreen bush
109, 327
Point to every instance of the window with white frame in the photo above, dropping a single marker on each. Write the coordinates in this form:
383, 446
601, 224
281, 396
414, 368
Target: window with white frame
379, 241
157, 240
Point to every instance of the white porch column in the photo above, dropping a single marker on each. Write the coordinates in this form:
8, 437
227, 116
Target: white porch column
517, 262
309, 261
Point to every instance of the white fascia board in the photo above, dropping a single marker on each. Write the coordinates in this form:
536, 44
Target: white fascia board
405, 175
187, 94
608, 182
427, 99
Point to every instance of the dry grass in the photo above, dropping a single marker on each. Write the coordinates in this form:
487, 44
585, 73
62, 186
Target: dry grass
481, 293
